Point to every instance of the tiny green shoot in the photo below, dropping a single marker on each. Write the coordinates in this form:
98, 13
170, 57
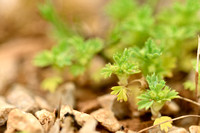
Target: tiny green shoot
156, 96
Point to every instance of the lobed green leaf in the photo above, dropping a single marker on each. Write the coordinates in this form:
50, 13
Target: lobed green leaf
121, 93
157, 92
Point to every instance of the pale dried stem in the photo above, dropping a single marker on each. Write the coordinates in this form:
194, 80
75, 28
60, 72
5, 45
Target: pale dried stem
197, 70
178, 118
189, 100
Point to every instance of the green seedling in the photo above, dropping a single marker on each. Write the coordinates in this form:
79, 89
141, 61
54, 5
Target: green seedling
129, 26
60, 29
74, 54
147, 60
151, 60
123, 67
51, 83
178, 34
72, 51
156, 96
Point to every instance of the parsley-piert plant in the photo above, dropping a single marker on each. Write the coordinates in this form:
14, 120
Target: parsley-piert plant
147, 60
123, 67
72, 51
129, 25
151, 59
156, 96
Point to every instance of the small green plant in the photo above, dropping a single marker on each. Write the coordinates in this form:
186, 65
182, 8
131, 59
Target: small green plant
135, 60
151, 59
156, 96
123, 67
147, 60
178, 34
60, 29
170, 46
72, 51
129, 27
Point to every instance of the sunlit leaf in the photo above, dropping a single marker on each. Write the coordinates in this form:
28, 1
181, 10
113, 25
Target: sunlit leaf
121, 92
51, 83
165, 126
43, 59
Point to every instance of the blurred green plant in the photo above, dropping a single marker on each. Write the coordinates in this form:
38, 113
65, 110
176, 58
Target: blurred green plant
22, 132
60, 29
178, 33
130, 22
151, 59
51, 83
72, 50
133, 23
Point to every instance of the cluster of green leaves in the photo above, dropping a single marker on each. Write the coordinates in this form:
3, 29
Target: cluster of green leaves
147, 60
182, 15
129, 24
123, 67
60, 28
133, 23
72, 50
151, 60
157, 94
177, 34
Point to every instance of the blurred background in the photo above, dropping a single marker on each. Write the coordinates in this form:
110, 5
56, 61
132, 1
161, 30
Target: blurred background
24, 33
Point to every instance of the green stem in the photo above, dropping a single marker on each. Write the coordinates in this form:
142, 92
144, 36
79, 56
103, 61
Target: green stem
155, 110
123, 80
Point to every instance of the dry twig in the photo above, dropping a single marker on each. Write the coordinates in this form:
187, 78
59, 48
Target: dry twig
197, 70
189, 100
178, 118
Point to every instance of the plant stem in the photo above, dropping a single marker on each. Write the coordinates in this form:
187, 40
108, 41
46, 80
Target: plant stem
197, 70
135, 81
197, 77
178, 118
189, 100
155, 110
